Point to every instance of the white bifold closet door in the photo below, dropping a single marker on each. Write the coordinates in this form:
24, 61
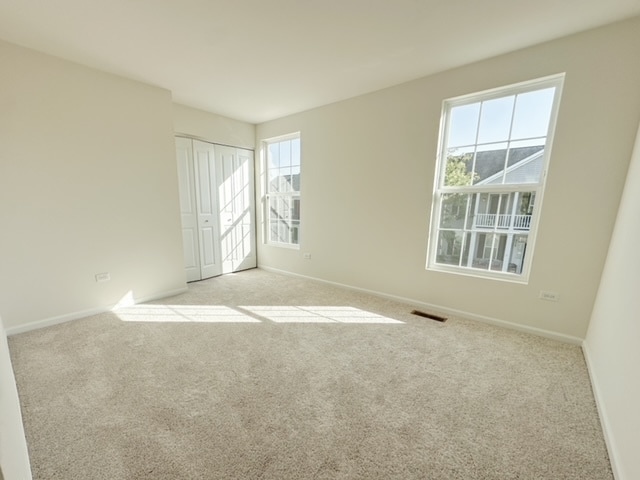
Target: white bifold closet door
217, 208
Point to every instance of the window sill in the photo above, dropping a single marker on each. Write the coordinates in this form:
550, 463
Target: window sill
289, 246
522, 279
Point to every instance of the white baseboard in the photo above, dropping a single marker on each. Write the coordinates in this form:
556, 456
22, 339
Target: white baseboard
450, 311
602, 413
67, 317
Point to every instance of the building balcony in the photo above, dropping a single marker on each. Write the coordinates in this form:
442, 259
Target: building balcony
502, 221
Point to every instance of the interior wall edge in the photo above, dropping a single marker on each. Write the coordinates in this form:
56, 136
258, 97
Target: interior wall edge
14, 454
67, 317
212, 128
605, 424
560, 337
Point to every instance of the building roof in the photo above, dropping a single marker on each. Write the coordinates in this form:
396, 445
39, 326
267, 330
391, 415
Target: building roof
527, 170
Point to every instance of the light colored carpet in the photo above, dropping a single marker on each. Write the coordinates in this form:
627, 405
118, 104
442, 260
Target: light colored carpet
212, 384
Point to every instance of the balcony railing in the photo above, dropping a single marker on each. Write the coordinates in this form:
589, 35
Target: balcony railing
492, 220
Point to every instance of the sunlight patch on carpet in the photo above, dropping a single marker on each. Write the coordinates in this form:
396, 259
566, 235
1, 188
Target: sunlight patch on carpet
248, 314
183, 313
324, 314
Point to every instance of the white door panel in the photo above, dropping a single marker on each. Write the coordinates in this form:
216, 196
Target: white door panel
235, 199
204, 155
217, 207
186, 184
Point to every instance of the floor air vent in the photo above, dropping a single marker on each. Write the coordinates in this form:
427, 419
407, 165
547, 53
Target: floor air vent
437, 318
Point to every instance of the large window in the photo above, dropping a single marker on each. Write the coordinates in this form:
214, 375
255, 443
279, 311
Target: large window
282, 177
492, 162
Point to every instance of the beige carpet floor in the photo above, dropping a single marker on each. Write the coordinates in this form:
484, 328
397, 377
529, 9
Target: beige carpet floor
263, 376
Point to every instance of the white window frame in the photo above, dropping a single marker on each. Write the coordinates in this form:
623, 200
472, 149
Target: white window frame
440, 190
282, 196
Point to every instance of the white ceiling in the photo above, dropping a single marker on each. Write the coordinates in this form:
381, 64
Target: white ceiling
255, 60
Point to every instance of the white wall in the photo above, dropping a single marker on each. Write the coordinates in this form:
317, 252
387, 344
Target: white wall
88, 184
611, 346
368, 169
14, 456
213, 128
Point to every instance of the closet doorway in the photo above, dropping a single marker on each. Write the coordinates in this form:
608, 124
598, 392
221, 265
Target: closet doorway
217, 206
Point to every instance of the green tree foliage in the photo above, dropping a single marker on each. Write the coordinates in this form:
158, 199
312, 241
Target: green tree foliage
457, 174
458, 171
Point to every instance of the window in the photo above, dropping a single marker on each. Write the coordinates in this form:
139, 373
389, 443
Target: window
492, 160
282, 177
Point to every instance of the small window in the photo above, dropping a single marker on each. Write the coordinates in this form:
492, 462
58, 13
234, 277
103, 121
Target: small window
282, 203
491, 169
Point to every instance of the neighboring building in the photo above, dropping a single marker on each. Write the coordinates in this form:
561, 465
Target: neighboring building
496, 225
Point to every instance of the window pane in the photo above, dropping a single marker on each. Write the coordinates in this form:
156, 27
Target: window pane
284, 207
499, 249
295, 179
532, 113
283, 232
274, 155
528, 170
454, 207
467, 249
283, 178
479, 253
489, 164
495, 120
518, 249
464, 125
485, 215
295, 229
273, 232
494, 148
524, 164
273, 209
526, 201
523, 149
472, 211
285, 153
274, 180
295, 209
449, 247
458, 171
295, 152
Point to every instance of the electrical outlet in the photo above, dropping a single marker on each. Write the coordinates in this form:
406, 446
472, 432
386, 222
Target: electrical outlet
306, 256
103, 277
549, 296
